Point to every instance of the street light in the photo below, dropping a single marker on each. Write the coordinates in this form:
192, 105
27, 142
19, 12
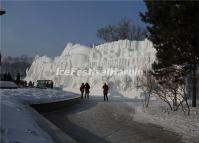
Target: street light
2, 12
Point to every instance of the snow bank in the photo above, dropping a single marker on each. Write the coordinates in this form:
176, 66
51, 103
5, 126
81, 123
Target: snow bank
17, 124
7, 84
159, 114
35, 95
122, 55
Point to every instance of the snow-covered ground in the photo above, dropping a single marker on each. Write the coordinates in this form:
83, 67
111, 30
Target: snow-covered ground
17, 122
122, 54
159, 114
7, 84
35, 95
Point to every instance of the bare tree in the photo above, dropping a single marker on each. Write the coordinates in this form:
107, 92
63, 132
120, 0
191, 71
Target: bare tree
172, 88
108, 33
15, 65
125, 29
148, 84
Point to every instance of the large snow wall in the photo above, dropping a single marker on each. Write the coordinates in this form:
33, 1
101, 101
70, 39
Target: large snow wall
122, 55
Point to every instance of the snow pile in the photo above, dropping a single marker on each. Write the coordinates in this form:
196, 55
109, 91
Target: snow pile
35, 96
45, 68
17, 124
7, 84
159, 114
121, 55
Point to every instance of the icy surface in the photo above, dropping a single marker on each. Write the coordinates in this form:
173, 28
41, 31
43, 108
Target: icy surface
34, 95
7, 84
17, 123
108, 122
159, 114
122, 54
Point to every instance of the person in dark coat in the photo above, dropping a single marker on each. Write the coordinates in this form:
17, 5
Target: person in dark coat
30, 84
87, 90
82, 88
25, 83
105, 91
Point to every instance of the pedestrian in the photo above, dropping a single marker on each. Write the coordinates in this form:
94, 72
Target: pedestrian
25, 83
82, 88
105, 91
30, 84
87, 88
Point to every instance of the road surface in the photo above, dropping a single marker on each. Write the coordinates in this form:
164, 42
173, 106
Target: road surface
96, 121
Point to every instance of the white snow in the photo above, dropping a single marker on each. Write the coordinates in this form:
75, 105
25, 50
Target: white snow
35, 95
122, 54
7, 84
17, 123
159, 114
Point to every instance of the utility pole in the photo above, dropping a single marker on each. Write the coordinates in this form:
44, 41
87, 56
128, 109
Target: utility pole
1, 13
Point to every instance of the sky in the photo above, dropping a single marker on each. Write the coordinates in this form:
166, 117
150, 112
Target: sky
45, 27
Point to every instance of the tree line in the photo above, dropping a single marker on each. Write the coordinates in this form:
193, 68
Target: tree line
125, 29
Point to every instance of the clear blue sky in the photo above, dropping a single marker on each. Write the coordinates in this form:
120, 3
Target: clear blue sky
45, 28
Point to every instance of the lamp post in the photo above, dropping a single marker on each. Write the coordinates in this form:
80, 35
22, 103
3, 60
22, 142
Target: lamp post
2, 12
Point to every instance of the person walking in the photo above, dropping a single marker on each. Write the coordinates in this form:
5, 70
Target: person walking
105, 91
87, 90
82, 88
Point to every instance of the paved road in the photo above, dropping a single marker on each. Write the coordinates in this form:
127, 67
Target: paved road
95, 121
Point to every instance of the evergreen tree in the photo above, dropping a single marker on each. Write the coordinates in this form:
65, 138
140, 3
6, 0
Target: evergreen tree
173, 29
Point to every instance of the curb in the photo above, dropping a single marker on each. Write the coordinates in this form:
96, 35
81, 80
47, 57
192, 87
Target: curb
52, 106
53, 131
